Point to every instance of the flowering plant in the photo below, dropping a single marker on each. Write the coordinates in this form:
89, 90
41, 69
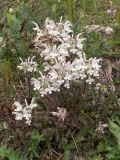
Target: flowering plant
64, 62
59, 83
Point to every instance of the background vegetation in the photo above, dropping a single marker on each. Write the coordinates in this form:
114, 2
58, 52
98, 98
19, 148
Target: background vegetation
78, 139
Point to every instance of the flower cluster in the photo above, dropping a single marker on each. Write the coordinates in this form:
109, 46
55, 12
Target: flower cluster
63, 57
28, 65
64, 62
21, 112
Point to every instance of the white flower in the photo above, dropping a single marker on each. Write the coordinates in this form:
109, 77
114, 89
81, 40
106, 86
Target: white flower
73, 50
90, 80
36, 83
18, 116
25, 111
61, 113
18, 106
53, 75
36, 28
39, 31
67, 27
67, 84
28, 65
49, 24
32, 104
80, 41
98, 85
49, 89
95, 63
28, 121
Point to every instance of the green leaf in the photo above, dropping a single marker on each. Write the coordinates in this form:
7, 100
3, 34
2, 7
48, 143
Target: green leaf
13, 22
97, 158
102, 146
9, 153
115, 130
66, 155
3, 151
117, 16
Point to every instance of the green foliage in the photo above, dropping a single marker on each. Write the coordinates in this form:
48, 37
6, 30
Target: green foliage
111, 144
13, 22
115, 130
67, 147
117, 17
32, 147
9, 153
